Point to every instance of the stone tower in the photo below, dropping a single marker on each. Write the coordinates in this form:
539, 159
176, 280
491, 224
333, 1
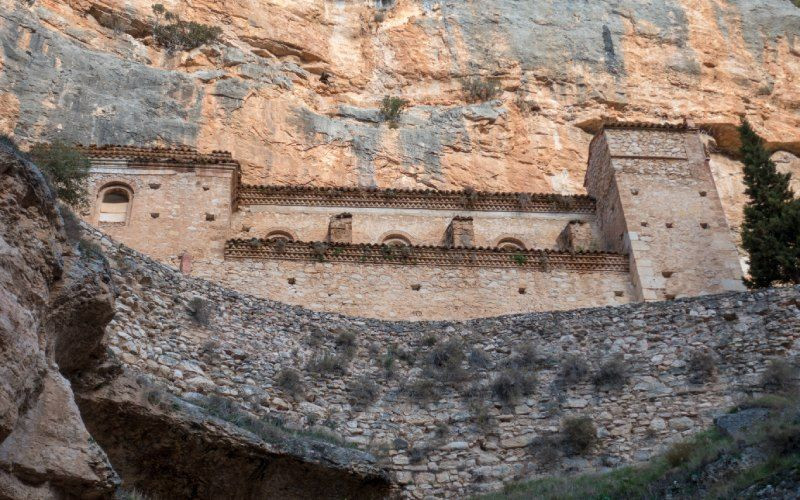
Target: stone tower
657, 202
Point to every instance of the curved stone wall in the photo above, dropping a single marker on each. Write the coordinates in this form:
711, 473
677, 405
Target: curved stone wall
465, 439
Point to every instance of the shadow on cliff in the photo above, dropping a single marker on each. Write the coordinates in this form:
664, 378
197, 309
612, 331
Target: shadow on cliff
171, 448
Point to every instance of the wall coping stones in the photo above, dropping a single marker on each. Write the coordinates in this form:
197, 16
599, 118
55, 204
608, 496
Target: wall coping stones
542, 260
430, 199
142, 156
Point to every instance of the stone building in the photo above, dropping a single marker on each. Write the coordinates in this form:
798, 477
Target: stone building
652, 228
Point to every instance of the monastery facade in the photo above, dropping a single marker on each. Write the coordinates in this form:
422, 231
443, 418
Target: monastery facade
651, 228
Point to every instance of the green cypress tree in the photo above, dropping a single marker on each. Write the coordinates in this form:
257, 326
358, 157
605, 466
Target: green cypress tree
771, 228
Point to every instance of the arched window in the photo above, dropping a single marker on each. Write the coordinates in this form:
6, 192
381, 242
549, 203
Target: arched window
280, 235
510, 244
115, 204
396, 240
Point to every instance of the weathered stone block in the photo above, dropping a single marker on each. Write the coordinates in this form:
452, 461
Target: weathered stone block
459, 233
340, 228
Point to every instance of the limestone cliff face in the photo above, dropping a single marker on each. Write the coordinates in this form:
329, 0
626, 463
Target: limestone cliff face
88, 69
54, 306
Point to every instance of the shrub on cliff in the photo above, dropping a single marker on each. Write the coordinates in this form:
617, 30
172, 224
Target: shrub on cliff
363, 392
346, 343
67, 169
701, 366
174, 34
573, 370
771, 227
391, 108
444, 362
328, 363
422, 390
479, 89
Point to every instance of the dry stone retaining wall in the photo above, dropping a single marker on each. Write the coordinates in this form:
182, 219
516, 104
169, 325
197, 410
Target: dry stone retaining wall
465, 440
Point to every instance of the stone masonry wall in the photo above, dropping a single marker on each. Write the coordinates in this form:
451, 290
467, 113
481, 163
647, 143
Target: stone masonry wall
413, 292
658, 194
173, 210
464, 440
421, 227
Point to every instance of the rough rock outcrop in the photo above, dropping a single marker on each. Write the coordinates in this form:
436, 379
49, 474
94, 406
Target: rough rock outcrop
89, 69
55, 304
56, 298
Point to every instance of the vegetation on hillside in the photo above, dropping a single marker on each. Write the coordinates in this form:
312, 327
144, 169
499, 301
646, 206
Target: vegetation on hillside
710, 465
771, 227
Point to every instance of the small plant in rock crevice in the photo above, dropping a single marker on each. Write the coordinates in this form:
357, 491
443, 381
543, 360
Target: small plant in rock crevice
526, 357
422, 390
478, 358
444, 362
612, 374
175, 34
318, 250
329, 363
391, 109
573, 370
201, 310
290, 381
363, 392
388, 363
519, 259
546, 450
702, 367
510, 385
779, 377
579, 434
346, 343
478, 89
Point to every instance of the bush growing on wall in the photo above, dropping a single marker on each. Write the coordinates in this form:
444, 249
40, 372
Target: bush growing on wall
510, 385
200, 310
701, 366
580, 435
444, 362
290, 381
612, 374
363, 392
67, 170
328, 363
573, 370
780, 376
174, 34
